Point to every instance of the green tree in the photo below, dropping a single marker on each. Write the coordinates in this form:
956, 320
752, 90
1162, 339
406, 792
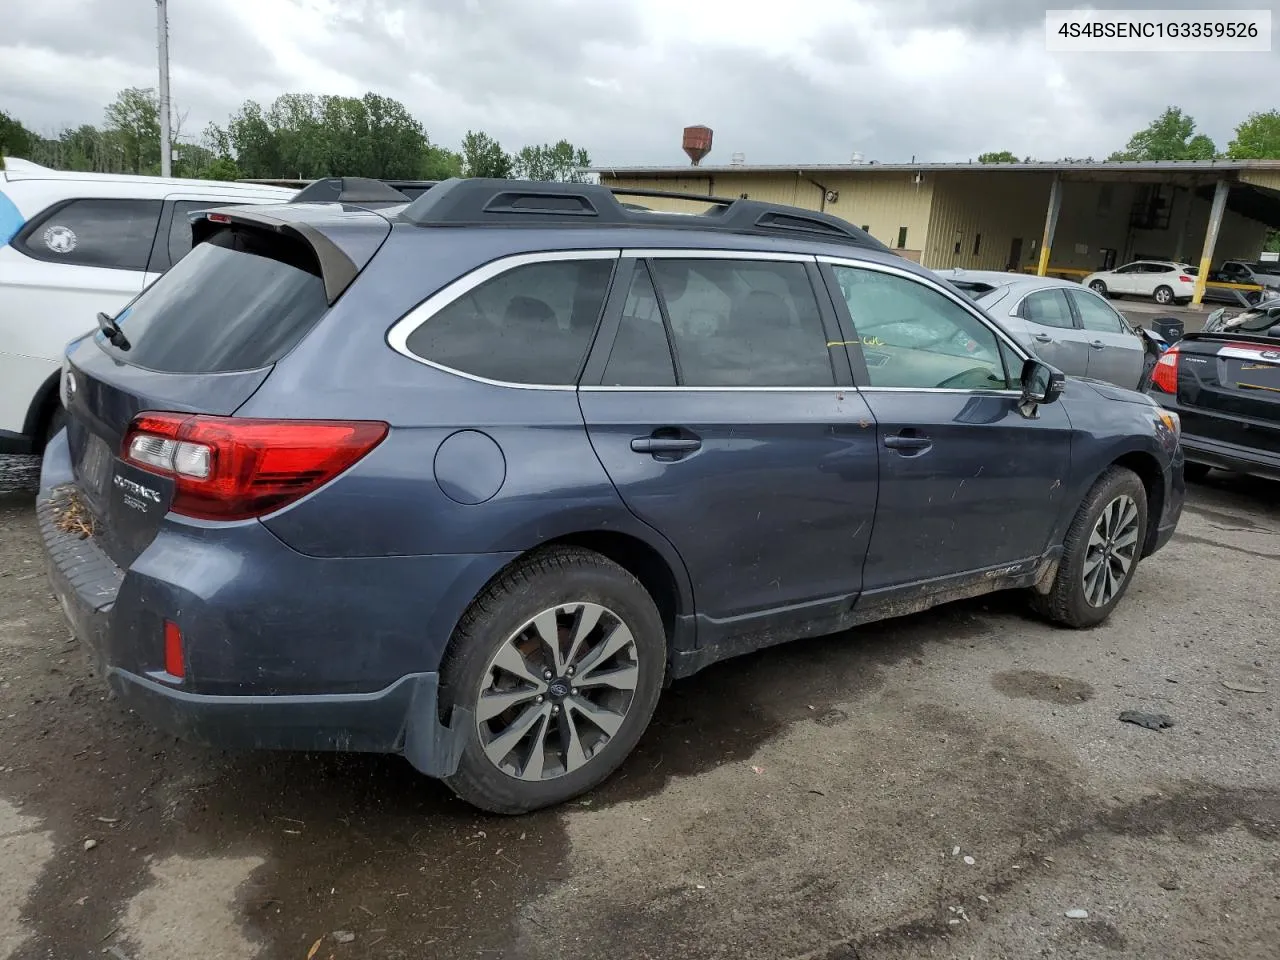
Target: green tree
15, 139
562, 162
440, 163
133, 122
483, 156
998, 156
1171, 136
1257, 138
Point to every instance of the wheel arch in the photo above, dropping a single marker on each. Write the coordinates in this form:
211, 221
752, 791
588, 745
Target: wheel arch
1149, 471
651, 560
43, 406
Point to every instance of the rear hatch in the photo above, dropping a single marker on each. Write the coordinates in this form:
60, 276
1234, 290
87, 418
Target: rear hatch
200, 340
1228, 389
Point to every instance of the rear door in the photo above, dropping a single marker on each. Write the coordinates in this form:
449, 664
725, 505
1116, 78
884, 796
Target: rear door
1229, 391
201, 339
1116, 353
1055, 335
745, 445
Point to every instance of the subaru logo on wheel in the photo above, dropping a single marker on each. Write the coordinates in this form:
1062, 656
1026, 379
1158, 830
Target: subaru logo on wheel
559, 688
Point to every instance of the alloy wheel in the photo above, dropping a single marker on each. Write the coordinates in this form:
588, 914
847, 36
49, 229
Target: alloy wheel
1113, 546
557, 691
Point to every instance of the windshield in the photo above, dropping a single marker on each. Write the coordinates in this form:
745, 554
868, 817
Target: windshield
238, 301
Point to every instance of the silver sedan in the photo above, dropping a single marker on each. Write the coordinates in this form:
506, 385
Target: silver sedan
1060, 321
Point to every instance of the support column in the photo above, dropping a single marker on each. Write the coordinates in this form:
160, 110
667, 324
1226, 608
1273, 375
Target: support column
1050, 224
1210, 240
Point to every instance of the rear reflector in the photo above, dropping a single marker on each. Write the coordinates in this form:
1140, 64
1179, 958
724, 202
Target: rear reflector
228, 468
173, 661
1165, 377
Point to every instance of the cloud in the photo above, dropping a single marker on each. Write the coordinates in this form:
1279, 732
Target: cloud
803, 82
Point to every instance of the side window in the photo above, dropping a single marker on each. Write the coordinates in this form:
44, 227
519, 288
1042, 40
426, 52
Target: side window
640, 356
1049, 308
1096, 315
913, 336
741, 323
1129, 268
179, 244
531, 324
95, 233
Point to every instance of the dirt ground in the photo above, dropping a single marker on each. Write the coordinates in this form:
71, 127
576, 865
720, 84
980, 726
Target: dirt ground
946, 785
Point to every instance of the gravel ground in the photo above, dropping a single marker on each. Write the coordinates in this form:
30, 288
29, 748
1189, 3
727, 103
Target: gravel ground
946, 785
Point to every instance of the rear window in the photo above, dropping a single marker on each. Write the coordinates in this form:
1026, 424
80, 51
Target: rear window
238, 301
975, 289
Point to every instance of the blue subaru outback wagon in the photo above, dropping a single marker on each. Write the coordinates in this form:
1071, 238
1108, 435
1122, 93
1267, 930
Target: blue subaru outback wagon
472, 478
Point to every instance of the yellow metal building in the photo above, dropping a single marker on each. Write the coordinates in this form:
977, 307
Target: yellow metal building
999, 216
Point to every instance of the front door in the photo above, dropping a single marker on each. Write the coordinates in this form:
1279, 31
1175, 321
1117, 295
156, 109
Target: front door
1116, 353
746, 446
969, 486
1126, 279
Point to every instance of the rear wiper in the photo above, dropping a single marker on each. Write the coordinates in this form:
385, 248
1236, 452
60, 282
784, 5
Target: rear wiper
113, 332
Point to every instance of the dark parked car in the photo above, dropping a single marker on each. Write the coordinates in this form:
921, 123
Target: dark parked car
470, 479
1225, 387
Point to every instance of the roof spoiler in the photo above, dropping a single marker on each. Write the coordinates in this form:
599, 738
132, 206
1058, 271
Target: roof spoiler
343, 240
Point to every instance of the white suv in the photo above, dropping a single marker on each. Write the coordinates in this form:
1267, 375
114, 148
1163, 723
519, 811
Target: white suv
1164, 281
73, 244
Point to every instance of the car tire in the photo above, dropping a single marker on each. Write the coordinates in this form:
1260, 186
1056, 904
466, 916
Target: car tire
1099, 288
1077, 597
1163, 295
1195, 472
562, 752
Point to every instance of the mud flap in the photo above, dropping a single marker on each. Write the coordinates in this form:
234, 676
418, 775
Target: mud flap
432, 747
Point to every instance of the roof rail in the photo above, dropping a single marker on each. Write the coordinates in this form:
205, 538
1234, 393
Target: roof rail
490, 202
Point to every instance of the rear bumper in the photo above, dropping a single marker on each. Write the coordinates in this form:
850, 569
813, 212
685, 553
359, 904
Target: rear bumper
283, 651
403, 718
1231, 456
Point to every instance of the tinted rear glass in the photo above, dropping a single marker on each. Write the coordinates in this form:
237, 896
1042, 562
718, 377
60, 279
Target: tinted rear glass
238, 301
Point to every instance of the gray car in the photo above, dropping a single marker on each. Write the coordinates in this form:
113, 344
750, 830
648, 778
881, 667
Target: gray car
1065, 324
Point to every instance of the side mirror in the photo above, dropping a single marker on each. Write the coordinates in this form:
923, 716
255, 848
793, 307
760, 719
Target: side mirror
1041, 383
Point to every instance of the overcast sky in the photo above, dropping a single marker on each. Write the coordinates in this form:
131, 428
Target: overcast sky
793, 81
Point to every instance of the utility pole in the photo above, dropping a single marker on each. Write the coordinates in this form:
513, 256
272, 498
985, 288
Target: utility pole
162, 28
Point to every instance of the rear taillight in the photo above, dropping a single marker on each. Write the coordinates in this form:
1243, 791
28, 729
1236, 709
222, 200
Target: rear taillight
1185, 279
1165, 377
227, 468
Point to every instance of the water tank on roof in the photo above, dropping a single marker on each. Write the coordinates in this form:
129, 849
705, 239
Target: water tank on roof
697, 143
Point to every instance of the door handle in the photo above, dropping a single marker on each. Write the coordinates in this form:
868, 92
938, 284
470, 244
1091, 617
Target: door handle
1097, 344
908, 442
1044, 338
665, 444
